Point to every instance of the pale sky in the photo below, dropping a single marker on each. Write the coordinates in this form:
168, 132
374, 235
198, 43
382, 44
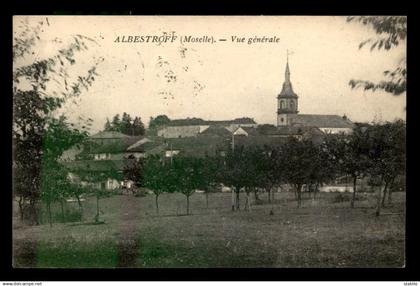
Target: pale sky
225, 80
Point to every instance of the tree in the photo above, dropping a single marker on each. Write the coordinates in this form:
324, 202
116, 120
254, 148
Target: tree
138, 127
116, 123
134, 171
387, 154
107, 126
158, 121
252, 172
298, 158
271, 169
125, 125
96, 180
348, 154
392, 31
34, 101
57, 138
207, 175
157, 177
233, 172
186, 178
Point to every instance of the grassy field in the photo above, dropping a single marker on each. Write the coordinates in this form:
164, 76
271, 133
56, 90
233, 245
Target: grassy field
323, 233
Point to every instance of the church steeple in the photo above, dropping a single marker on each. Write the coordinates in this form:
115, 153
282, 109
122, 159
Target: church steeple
287, 73
287, 90
287, 100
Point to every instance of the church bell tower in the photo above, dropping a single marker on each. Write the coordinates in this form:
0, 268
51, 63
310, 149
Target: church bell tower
287, 101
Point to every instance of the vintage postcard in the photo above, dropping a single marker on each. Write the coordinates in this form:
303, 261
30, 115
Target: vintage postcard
209, 141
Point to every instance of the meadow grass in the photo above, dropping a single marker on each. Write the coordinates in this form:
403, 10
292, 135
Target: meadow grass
323, 233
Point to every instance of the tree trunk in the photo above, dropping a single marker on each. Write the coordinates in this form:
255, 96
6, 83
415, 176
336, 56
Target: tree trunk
97, 209
256, 195
49, 213
233, 200
79, 202
384, 197
272, 195
299, 195
62, 210
353, 198
207, 200
390, 192
268, 190
378, 205
188, 205
247, 204
33, 212
157, 204
21, 207
237, 199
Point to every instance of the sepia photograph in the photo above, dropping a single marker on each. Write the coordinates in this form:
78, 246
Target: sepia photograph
209, 141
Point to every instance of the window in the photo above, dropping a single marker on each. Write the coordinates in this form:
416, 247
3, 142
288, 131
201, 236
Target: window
282, 119
282, 104
292, 104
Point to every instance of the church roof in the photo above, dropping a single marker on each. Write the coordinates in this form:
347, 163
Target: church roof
108, 135
287, 90
321, 121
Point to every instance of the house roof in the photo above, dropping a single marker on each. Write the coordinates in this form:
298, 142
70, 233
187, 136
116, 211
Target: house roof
214, 130
321, 121
251, 130
95, 165
108, 135
284, 130
199, 121
138, 146
115, 146
197, 146
260, 140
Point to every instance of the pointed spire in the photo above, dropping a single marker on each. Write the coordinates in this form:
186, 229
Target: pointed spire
287, 89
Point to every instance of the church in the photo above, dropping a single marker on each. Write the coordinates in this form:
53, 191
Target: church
287, 113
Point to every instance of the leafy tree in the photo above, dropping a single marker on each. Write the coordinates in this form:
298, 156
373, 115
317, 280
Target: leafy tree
348, 153
137, 127
186, 172
392, 30
116, 123
34, 101
271, 169
134, 171
158, 121
125, 125
57, 138
298, 158
157, 177
207, 175
387, 154
234, 172
96, 180
252, 174
107, 126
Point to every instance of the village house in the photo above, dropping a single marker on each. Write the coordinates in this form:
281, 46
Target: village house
105, 151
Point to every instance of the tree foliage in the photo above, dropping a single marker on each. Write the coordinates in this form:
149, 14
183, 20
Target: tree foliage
391, 31
125, 125
35, 100
158, 121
